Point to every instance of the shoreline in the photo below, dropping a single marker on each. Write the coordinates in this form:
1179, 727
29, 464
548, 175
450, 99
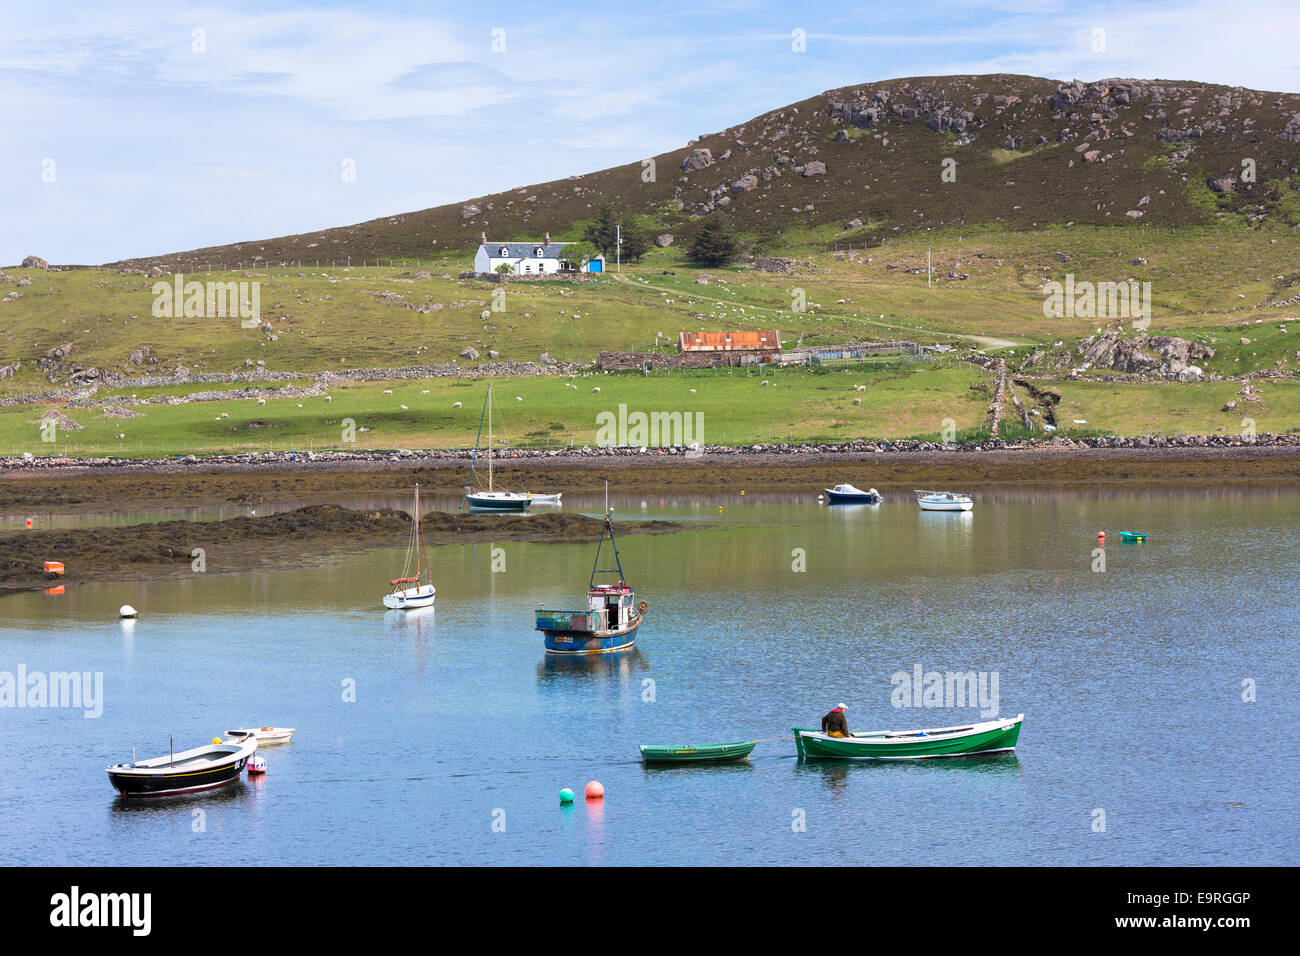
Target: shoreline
73, 487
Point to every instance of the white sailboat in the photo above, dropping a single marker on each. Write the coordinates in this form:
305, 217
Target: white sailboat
492, 500
409, 591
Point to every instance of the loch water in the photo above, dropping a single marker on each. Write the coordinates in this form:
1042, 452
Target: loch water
1159, 694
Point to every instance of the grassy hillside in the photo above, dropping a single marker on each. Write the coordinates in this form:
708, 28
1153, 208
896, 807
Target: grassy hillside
369, 317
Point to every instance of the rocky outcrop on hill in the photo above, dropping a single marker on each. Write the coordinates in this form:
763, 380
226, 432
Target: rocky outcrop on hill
1143, 354
697, 159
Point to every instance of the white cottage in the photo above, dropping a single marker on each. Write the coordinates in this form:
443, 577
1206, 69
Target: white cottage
527, 258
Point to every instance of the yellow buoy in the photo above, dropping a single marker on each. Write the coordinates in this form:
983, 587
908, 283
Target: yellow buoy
216, 741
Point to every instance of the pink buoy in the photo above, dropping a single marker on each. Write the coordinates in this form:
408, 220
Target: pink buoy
595, 790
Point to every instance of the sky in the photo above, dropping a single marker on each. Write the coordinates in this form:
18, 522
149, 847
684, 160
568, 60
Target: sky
140, 129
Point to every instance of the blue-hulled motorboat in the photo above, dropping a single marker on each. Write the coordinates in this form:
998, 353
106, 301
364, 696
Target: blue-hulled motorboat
847, 494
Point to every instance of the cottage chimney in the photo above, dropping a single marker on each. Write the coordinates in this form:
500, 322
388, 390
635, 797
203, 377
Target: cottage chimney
548, 239
482, 238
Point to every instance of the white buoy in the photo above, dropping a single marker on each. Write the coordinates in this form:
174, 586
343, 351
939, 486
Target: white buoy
126, 610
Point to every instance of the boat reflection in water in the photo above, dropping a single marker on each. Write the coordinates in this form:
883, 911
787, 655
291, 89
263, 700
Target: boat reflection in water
182, 807
619, 667
978, 768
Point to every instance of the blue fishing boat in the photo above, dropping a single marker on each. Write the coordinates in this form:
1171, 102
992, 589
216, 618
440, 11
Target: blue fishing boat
609, 621
847, 494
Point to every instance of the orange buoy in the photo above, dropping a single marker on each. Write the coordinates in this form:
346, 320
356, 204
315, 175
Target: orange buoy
56, 590
53, 567
595, 790
1101, 536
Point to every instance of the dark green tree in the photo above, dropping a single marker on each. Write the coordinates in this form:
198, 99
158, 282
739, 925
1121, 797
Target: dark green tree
714, 243
603, 233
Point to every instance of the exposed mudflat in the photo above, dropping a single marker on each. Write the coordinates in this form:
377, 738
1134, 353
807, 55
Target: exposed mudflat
289, 539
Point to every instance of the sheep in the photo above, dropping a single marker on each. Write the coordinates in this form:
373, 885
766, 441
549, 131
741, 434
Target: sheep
388, 391
692, 391
861, 388
261, 401
404, 408
424, 391
455, 405
328, 398
518, 398
765, 382
596, 389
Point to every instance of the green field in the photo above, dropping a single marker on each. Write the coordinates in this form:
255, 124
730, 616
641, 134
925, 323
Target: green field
532, 411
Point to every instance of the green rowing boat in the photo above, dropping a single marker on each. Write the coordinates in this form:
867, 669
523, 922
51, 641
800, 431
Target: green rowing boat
1133, 536
992, 736
708, 753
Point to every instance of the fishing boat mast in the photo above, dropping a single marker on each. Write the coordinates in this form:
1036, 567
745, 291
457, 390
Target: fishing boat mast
607, 530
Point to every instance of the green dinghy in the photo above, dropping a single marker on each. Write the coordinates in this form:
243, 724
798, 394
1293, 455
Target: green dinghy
992, 736
705, 753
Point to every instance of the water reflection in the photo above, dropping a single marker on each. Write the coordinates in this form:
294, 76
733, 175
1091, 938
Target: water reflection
617, 668
180, 805
835, 774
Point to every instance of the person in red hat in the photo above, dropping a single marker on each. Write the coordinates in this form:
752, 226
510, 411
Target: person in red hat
834, 724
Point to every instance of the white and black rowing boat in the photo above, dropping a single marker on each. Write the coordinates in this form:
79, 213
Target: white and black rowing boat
203, 768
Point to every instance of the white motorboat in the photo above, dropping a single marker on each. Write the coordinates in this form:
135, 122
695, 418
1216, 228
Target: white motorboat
263, 735
943, 501
540, 499
412, 590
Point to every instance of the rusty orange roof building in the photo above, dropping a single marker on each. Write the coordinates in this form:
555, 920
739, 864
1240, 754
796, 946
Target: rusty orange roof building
728, 342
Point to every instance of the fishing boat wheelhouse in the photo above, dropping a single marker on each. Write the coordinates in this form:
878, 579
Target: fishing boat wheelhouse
610, 619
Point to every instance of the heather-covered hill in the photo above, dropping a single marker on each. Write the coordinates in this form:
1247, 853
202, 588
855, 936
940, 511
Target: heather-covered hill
867, 162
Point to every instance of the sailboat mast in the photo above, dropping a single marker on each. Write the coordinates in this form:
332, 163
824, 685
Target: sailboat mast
489, 436
420, 565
